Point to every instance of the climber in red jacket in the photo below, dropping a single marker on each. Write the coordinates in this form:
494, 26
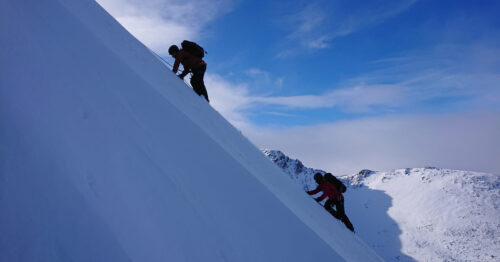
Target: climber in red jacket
335, 198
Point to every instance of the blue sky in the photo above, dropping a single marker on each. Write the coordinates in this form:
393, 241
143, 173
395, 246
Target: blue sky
315, 48
283, 71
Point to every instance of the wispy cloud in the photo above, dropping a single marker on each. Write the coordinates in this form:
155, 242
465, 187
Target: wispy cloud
368, 14
258, 73
307, 30
358, 98
308, 23
320, 22
264, 79
160, 23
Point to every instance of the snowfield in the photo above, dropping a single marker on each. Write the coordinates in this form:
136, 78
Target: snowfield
445, 215
105, 155
423, 214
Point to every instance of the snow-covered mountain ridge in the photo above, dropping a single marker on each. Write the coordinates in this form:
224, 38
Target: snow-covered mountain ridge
294, 168
431, 214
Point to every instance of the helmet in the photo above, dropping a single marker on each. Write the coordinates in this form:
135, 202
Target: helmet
173, 50
318, 177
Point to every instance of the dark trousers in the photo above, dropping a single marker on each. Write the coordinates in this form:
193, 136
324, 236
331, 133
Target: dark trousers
197, 81
339, 213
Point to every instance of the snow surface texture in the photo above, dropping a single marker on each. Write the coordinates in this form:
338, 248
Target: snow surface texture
426, 214
107, 156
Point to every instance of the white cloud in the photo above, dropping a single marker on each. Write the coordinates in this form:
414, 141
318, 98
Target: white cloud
155, 32
459, 141
235, 101
230, 99
161, 23
358, 98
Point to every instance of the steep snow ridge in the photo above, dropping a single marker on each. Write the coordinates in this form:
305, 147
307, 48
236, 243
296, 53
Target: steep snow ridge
428, 214
107, 156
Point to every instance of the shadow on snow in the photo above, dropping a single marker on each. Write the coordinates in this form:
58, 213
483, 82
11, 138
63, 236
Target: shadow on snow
368, 211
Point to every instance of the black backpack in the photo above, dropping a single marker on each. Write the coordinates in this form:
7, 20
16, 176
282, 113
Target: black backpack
337, 183
193, 48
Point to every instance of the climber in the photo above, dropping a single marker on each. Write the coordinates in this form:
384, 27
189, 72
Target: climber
335, 198
192, 62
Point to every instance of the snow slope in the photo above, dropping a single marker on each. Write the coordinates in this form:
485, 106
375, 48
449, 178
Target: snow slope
426, 214
105, 155
442, 214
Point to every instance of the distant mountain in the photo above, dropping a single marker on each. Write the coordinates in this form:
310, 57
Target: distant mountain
294, 168
423, 214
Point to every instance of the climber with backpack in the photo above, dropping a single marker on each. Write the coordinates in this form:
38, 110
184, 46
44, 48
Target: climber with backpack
333, 189
190, 56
